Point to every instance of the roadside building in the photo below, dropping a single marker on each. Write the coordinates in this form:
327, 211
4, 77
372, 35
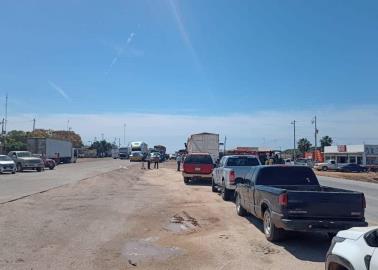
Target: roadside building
362, 154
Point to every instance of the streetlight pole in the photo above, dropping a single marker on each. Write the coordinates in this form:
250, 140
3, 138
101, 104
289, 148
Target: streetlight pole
124, 134
294, 155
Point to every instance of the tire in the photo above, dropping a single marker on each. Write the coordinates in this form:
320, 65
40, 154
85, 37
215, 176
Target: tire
213, 186
51, 167
325, 168
239, 208
13, 172
226, 193
186, 180
19, 167
39, 169
272, 233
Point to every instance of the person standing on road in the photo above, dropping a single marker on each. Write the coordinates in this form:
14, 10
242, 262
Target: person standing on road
178, 160
149, 162
156, 163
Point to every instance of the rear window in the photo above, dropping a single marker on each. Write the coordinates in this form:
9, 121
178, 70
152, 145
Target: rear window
198, 159
242, 161
286, 176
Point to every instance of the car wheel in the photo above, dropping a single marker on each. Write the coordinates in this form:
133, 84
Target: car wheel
186, 180
226, 193
39, 169
272, 233
213, 186
239, 208
13, 172
19, 167
325, 168
51, 167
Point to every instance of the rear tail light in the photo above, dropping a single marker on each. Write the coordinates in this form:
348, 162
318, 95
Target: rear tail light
283, 199
363, 202
231, 177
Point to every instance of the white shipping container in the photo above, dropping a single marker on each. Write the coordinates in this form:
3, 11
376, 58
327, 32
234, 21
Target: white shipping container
204, 143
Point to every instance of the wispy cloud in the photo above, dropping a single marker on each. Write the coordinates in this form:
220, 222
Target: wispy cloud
60, 91
120, 52
183, 32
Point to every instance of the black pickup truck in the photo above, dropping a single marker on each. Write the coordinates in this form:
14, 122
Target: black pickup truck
291, 198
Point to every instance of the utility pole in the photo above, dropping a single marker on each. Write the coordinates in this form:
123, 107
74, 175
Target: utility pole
124, 134
224, 145
33, 124
4, 124
294, 150
316, 136
119, 142
68, 125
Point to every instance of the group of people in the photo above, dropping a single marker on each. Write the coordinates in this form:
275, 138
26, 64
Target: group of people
150, 160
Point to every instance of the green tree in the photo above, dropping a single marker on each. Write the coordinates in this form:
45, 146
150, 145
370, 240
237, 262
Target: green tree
325, 141
303, 145
15, 141
102, 147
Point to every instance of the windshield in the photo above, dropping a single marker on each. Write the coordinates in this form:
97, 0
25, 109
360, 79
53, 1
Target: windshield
5, 158
198, 159
286, 176
24, 154
123, 149
242, 161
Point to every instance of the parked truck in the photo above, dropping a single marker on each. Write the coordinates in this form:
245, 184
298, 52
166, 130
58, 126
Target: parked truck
58, 150
139, 149
291, 198
228, 169
162, 150
204, 143
326, 166
124, 152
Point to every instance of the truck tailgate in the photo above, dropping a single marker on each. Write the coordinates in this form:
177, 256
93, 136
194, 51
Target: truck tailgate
326, 205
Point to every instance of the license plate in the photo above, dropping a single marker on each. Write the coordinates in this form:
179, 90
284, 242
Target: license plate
197, 169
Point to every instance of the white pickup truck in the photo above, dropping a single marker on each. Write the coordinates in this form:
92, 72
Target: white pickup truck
325, 166
228, 169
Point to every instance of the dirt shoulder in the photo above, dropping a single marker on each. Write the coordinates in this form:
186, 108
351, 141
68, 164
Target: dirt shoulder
365, 177
134, 219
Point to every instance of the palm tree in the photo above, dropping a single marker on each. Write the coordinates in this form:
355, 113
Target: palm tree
325, 141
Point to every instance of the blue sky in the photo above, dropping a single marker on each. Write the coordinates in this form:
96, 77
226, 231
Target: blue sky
193, 58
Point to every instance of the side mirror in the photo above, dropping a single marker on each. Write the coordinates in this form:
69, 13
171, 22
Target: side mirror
239, 180
372, 239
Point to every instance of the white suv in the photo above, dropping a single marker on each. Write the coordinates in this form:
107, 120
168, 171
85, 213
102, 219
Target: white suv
354, 249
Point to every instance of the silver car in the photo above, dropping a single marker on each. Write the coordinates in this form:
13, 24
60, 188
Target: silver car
7, 165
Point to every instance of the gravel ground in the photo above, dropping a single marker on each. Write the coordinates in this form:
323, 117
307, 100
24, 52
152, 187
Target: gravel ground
134, 219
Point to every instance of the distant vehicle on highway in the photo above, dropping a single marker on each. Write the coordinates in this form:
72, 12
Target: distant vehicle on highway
326, 166
115, 153
228, 169
354, 249
7, 165
291, 198
140, 147
48, 162
197, 166
172, 156
124, 152
136, 156
162, 150
351, 167
304, 162
25, 161
61, 151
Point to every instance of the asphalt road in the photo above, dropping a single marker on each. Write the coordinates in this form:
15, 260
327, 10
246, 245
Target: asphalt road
26, 183
369, 189
23, 184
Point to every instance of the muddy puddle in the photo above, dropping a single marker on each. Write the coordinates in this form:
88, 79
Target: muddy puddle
139, 251
182, 223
